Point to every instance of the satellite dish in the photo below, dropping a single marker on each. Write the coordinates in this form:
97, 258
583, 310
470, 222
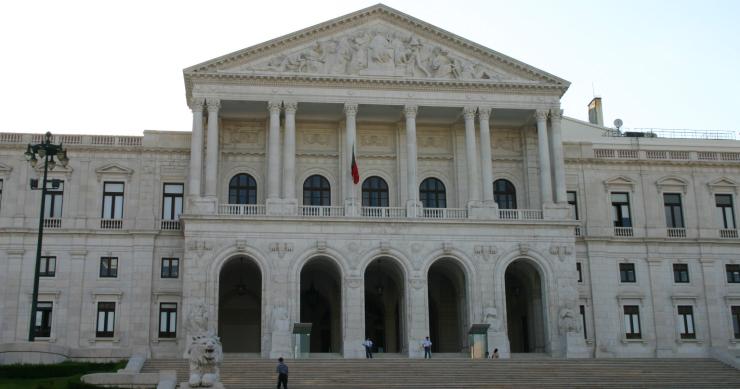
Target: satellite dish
618, 123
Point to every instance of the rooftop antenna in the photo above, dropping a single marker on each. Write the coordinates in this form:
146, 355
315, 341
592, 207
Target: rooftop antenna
618, 123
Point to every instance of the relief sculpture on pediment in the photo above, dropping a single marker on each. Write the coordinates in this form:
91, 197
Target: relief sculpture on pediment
236, 133
506, 142
379, 52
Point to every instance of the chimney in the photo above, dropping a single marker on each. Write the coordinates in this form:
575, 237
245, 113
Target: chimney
595, 113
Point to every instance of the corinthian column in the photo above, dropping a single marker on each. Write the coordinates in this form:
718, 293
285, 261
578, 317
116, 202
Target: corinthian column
544, 157
289, 152
196, 147
472, 156
273, 152
350, 112
558, 162
212, 147
413, 191
484, 113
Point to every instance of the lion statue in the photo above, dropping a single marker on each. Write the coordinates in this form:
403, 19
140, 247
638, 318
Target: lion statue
205, 354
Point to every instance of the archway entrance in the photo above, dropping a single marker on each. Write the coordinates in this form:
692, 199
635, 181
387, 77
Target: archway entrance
240, 306
524, 308
321, 304
447, 306
384, 305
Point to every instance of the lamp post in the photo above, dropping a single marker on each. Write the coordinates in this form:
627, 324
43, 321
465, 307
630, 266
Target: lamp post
47, 151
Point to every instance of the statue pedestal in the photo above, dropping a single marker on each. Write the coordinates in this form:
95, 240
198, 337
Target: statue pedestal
185, 385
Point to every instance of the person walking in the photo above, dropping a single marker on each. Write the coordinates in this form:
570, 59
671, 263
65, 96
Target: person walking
495, 354
427, 344
282, 372
368, 348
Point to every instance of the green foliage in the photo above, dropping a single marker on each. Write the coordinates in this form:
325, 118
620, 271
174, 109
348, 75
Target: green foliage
64, 369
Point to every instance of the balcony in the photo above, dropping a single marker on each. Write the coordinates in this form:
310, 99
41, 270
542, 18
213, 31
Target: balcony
520, 214
242, 209
111, 224
320, 211
169, 225
728, 233
676, 232
383, 212
623, 231
444, 213
53, 223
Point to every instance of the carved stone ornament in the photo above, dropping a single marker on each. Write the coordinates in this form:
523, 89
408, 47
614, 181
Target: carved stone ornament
321, 246
199, 246
205, 355
417, 283
567, 321
561, 251
490, 316
280, 322
378, 51
281, 248
523, 248
485, 252
447, 248
385, 247
241, 245
354, 282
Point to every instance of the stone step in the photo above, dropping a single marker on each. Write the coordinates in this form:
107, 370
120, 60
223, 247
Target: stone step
246, 373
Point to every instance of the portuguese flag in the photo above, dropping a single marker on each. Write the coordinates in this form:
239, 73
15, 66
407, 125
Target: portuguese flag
355, 171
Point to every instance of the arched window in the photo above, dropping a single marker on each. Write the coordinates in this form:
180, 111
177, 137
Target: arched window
374, 192
504, 194
242, 189
316, 191
432, 193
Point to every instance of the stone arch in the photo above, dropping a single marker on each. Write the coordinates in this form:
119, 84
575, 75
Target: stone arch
386, 298
526, 315
241, 306
448, 301
229, 174
320, 297
393, 196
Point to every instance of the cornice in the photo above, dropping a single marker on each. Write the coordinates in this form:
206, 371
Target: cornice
651, 162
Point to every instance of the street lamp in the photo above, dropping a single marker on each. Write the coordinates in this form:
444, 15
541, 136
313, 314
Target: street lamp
47, 151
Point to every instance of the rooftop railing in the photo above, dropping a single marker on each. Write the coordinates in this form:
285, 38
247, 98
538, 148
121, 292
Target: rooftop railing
671, 133
86, 140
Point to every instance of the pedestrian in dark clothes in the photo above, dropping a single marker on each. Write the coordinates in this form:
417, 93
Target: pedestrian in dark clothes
282, 372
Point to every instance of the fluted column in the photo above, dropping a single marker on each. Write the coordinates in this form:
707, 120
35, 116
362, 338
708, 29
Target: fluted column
558, 161
212, 147
289, 151
472, 156
486, 169
413, 191
273, 152
544, 157
196, 148
350, 112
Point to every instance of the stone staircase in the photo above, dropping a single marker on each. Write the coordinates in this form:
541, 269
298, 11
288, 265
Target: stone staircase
449, 373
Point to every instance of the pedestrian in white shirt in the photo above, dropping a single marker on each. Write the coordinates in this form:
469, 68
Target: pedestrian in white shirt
427, 344
368, 348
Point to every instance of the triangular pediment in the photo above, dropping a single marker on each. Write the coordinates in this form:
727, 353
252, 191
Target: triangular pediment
672, 183
619, 182
5, 169
376, 42
113, 169
723, 184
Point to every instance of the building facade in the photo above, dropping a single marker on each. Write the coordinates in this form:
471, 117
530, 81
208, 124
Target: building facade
477, 202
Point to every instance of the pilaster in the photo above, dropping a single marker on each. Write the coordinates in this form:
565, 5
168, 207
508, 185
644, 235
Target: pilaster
544, 158
196, 148
472, 157
558, 165
212, 148
273, 153
412, 201
289, 194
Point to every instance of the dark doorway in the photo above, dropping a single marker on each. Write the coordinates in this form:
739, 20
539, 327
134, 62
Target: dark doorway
524, 308
447, 313
384, 305
321, 304
240, 306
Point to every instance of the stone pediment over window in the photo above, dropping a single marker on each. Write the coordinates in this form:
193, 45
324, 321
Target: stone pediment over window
672, 184
5, 169
58, 170
723, 184
619, 183
377, 43
113, 169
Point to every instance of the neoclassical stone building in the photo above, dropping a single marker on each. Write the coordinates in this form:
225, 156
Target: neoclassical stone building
477, 202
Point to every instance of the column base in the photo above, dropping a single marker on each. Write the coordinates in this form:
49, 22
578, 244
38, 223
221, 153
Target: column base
202, 205
555, 211
351, 208
281, 207
482, 211
414, 208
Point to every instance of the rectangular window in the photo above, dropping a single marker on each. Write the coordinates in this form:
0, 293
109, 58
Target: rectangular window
573, 205
172, 201
725, 211
583, 320
627, 272
168, 320
42, 324
106, 319
47, 266
621, 210
735, 311
686, 322
108, 267
580, 272
680, 273
733, 273
112, 200
170, 267
53, 199
632, 322
673, 211
1, 194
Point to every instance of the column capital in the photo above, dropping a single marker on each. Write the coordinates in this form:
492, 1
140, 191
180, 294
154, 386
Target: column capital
469, 112
350, 109
556, 113
196, 104
290, 106
484, 113
410, 111
541, 114
213, 104
274, 106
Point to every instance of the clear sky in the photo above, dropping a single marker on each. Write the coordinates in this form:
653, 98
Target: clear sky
116, 67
